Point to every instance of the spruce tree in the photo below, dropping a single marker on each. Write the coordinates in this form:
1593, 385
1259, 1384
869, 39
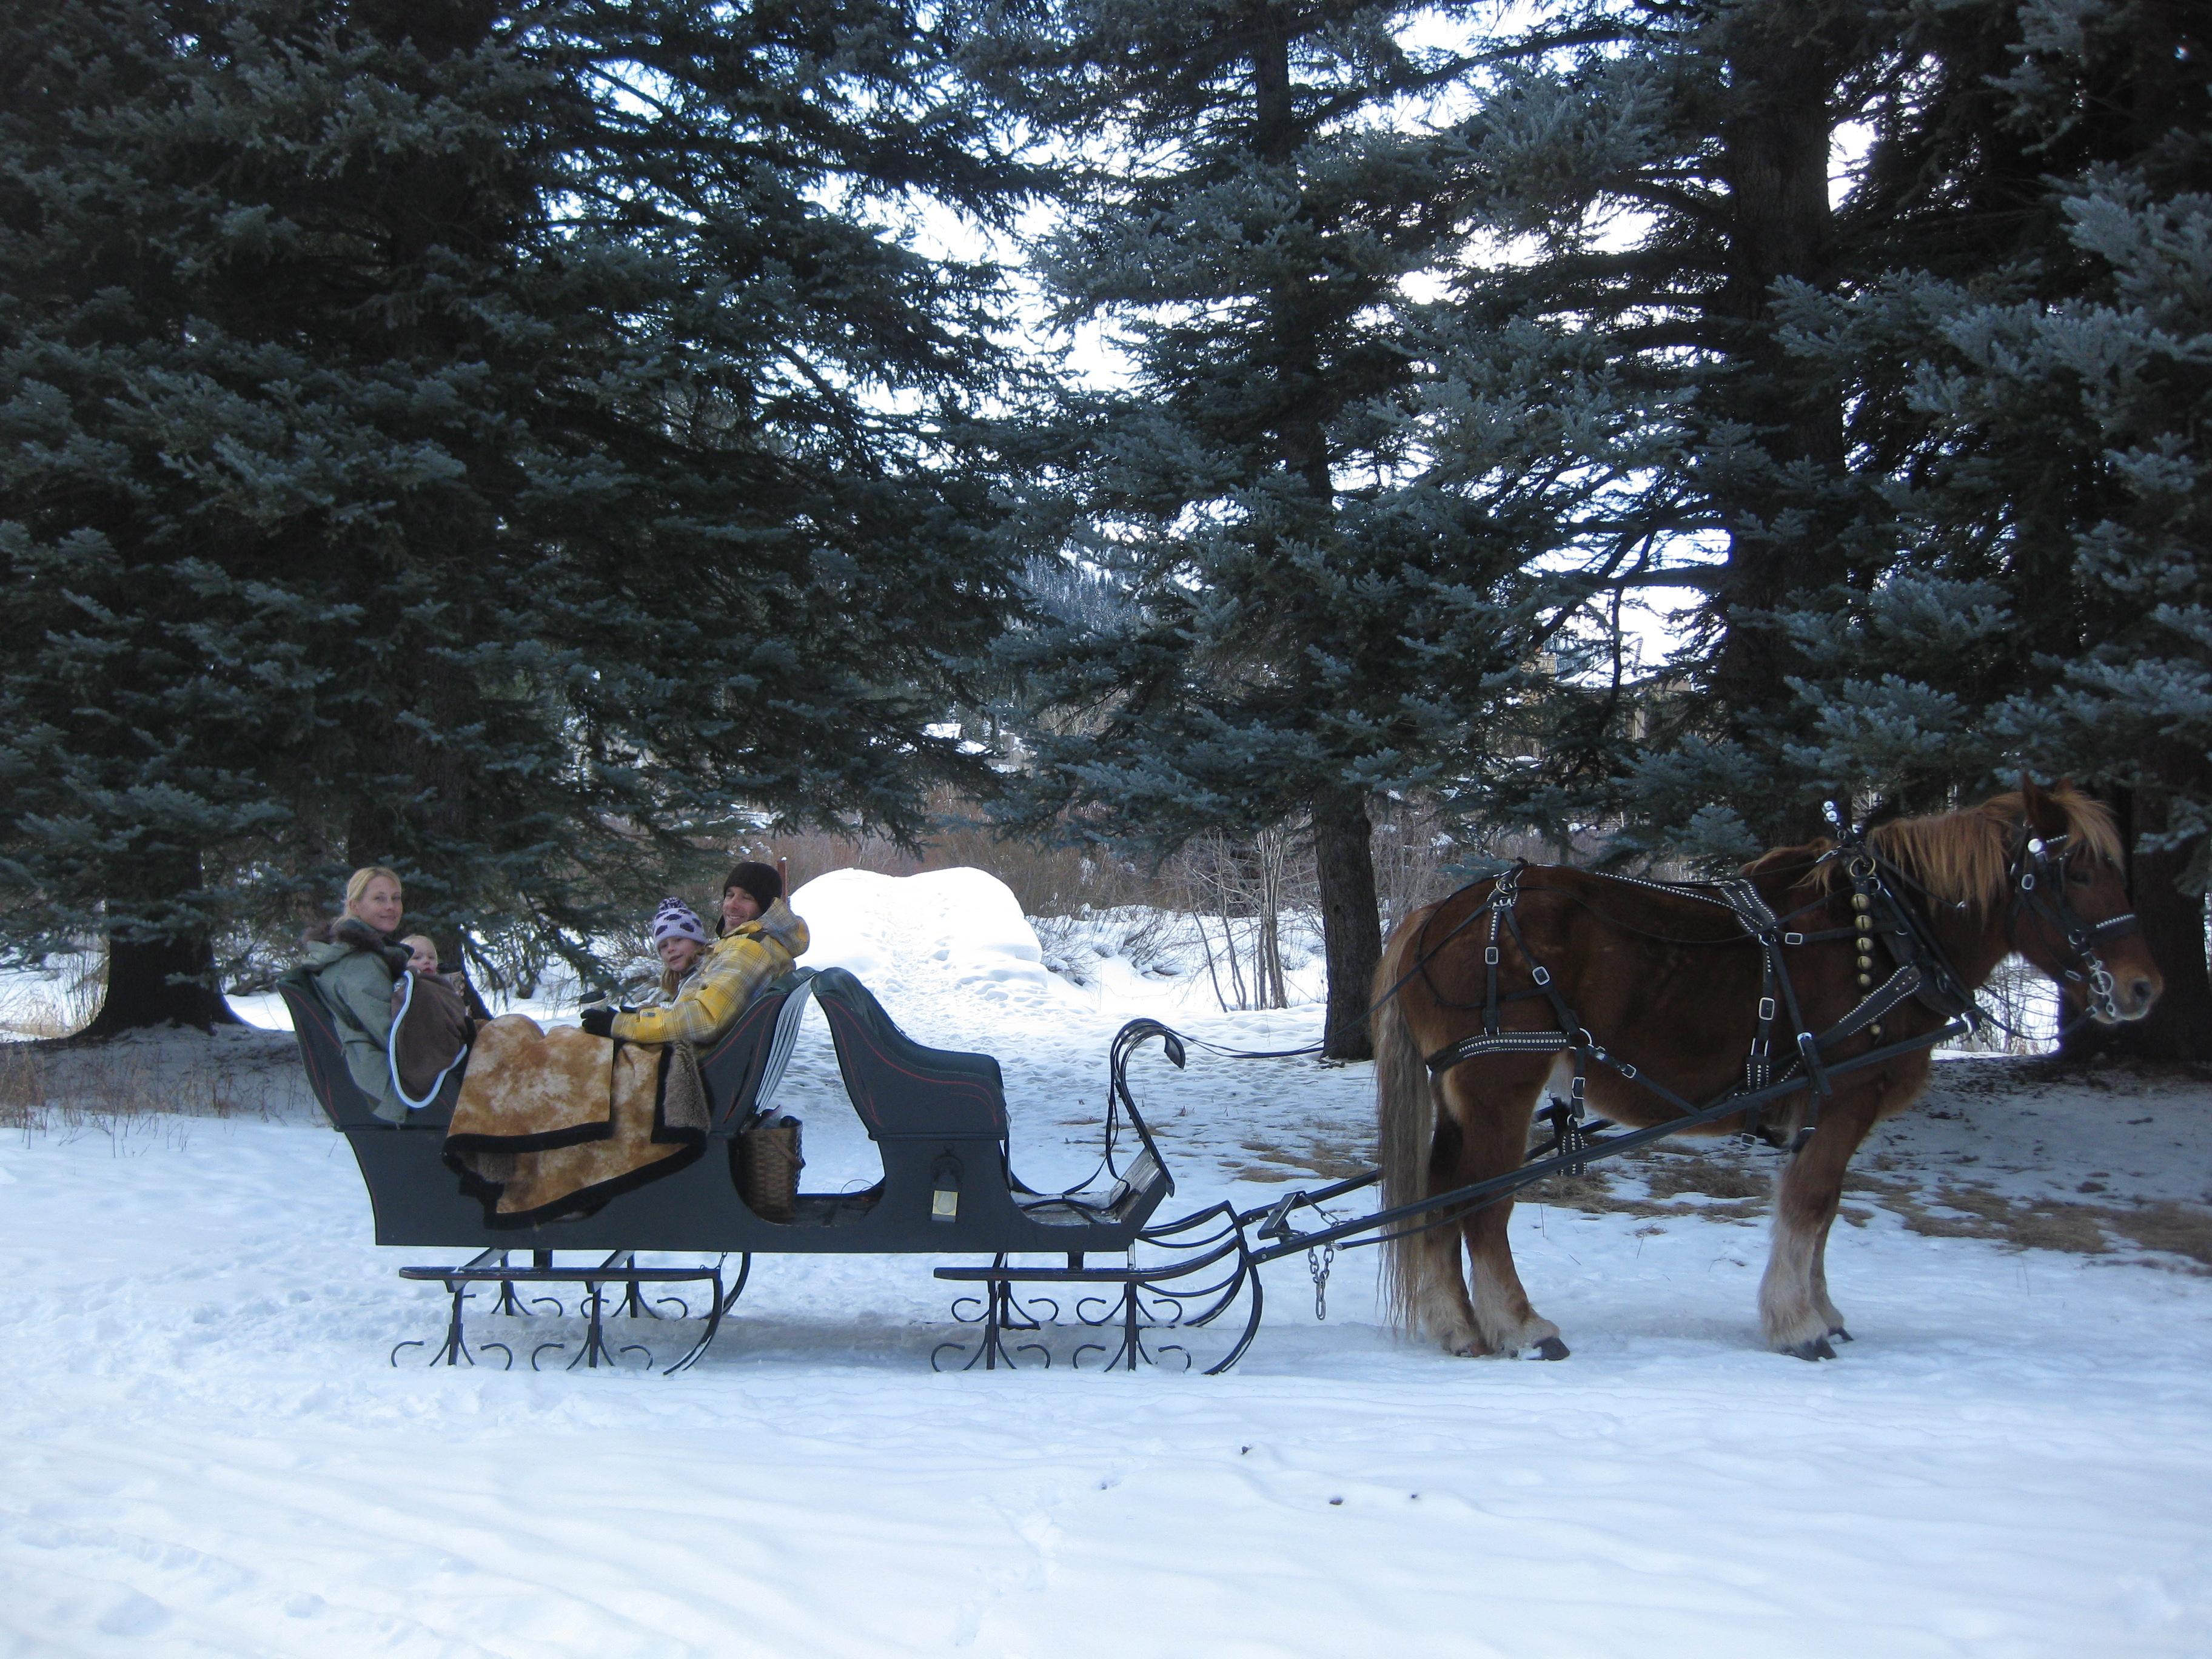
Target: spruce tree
495, 441
2030, 376
1310, 614
1652, 180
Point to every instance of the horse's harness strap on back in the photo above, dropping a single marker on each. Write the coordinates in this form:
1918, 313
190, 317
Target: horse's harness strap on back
1877, 913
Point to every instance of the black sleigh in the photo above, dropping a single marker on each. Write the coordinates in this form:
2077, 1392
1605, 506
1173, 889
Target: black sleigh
938, 1119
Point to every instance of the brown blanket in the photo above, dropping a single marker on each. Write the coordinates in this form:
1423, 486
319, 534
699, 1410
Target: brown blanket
555, 1123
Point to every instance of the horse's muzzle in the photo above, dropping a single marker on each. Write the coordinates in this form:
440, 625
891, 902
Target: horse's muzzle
2133, 995
2129, 999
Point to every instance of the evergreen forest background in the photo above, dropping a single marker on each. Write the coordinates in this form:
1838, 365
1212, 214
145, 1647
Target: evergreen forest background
547, 448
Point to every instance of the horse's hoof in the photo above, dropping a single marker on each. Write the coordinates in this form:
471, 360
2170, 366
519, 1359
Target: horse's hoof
1840, 1334
1552, 1348
1815, 1348
1466, 1351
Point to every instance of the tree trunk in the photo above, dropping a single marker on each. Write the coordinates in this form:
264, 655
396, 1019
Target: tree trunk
1351, 921
160, 981
1776, 143
161, 966
2179, 1025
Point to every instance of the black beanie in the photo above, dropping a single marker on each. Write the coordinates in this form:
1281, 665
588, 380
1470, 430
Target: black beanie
760, 880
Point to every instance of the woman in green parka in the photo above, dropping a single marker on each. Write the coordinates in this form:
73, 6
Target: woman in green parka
354, 961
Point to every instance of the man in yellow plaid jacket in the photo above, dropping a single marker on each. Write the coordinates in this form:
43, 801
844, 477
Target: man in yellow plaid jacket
760, 939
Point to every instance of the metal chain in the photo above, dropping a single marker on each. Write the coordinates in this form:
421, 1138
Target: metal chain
1318, 1263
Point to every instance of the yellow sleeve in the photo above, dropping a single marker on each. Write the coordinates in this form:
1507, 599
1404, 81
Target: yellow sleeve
736, 968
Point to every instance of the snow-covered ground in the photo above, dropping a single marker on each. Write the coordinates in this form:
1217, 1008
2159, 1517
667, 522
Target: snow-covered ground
209, 1453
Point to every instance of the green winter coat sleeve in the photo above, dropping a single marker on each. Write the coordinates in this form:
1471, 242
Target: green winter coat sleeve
357, 988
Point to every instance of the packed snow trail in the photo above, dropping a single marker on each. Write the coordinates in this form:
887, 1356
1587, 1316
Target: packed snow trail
209, 1454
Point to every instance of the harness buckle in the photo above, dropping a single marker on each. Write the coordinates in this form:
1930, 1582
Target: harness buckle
1490, 954
1766, 1010
1541, 975
1793, 938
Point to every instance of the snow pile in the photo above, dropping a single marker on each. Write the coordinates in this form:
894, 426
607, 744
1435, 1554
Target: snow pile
913, 938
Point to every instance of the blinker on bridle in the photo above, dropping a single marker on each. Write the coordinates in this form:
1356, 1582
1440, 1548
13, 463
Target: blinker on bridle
2038, 884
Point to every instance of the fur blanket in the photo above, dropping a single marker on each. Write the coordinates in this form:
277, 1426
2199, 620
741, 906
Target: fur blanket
555, 1123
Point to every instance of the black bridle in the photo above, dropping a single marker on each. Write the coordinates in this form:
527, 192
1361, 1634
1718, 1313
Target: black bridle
2037, 875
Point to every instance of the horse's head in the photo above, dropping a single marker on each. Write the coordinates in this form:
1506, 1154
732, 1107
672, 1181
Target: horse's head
2069, 914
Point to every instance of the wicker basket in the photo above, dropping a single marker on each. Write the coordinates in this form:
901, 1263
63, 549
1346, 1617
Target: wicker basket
768, 1164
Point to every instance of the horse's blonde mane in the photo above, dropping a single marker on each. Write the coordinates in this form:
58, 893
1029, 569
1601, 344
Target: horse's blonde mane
1961, 857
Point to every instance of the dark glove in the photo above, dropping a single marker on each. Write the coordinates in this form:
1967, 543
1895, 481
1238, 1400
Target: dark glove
600, 1022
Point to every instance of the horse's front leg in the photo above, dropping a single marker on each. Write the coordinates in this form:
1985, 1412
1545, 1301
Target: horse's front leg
1828, 1309
1495, 1141
1793, 1297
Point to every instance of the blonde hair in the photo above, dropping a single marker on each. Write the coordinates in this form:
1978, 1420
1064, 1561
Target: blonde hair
420, 939
358, 883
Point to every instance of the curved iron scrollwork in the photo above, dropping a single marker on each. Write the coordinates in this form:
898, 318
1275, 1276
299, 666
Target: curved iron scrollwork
601, 1300
455, 1348
1182, 1276
998, 1310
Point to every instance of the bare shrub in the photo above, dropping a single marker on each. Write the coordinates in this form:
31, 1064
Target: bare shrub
45, 1088
2023, 999
57, 1001
1234, 890
1415, 857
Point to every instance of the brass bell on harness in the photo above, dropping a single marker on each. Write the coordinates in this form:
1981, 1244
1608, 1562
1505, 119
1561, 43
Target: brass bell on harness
1860, 902
1866, 981
1864, 924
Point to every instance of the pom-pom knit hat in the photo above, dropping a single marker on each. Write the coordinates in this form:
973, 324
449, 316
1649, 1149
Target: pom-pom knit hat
676, 919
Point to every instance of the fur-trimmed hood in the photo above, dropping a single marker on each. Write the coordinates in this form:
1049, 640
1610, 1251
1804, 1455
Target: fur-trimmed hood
332, 941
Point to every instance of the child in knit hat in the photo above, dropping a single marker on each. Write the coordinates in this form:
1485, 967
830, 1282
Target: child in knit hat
679, 939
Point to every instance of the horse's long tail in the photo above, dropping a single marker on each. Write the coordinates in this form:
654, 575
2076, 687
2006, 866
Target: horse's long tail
1405, 1121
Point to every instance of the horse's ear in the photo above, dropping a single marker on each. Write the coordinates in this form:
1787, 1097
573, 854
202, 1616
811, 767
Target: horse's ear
2041, 813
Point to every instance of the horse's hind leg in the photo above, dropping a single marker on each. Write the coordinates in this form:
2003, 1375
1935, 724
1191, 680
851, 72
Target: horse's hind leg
1793, 1297
1495, 1142
1441, 1307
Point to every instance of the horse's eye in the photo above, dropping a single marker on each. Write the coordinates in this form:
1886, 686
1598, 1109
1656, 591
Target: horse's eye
2081, 878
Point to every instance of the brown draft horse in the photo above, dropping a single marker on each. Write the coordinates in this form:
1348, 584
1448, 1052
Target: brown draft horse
1671, 984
